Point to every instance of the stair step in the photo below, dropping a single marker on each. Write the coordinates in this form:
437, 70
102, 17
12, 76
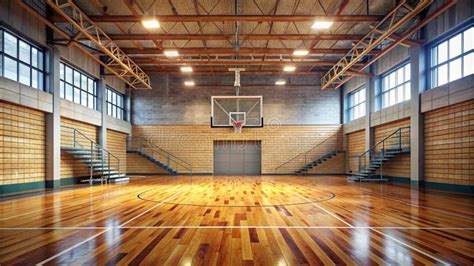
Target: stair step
120, 180
110, 173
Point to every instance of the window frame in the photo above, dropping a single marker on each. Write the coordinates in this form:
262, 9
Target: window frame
115, 107
77, 87
350, 108
386, 75
432, 67
41, 64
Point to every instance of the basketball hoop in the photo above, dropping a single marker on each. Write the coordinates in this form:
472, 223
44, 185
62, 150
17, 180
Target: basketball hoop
238, 126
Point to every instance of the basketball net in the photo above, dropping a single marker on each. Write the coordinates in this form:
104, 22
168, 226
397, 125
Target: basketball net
238, 126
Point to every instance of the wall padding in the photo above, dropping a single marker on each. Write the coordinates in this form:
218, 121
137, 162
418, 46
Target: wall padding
356, 146
194, 143
117, 145
71, 167
449, 144
22, 145
400, 165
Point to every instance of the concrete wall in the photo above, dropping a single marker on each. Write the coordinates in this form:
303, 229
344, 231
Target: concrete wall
299, 102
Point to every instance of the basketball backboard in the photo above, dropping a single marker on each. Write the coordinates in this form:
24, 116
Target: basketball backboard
226, 110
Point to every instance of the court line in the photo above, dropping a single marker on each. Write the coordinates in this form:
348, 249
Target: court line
55, 207
411, 247
237, 227
387, 236
333, 215
103, 232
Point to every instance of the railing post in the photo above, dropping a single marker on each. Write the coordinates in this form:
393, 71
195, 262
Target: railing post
400, 139
359, 164
108, 164
118, 165
74, 138
92, 157
102, 162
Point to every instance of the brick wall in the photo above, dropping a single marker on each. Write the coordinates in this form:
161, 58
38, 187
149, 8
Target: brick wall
117, 145
449, 144
194, 144
299, 102
22, 145
139, 165
355, 147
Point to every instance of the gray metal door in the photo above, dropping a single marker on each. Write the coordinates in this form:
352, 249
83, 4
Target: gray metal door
237, 157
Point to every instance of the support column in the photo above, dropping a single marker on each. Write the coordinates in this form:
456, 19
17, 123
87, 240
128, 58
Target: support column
128, 105
369, 108
53, 125
102, 107
418, 85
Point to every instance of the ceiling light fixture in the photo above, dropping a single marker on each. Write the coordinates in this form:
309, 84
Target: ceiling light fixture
186, 69
280, 82
171, 53
322, 25
189, 83
300, 52
150, 23
289, 68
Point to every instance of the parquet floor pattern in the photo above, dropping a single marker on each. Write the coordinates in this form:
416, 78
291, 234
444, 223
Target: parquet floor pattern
264, 220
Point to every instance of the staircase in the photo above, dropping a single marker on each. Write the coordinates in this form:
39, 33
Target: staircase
304, 170
104, 166
156, 155
371, 161
320, 153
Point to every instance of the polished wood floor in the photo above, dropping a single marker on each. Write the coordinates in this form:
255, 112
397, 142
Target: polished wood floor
268, 220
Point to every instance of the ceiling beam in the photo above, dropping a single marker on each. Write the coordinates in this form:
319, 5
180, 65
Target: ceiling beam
262, 72
151, 61
230, 51
268, 72
229, 18
297, 37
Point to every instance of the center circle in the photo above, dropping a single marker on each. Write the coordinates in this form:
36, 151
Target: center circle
243, 191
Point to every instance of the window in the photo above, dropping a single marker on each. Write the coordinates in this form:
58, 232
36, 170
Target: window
75, 86
356, 104
453, 58
21, 61
115, 103
396, 86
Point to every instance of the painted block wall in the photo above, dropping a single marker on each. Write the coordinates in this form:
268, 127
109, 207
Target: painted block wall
171, 103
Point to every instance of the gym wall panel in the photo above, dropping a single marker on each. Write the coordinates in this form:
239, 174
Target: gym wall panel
139, 165
117, 145
449, 144
194, 143
77, 58
400, 165
355, 147
71, 167
16, 17
22, 145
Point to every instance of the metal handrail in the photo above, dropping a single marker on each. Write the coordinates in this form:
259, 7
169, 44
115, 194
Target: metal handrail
150, 145
382, 142
95, 146
307, 152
